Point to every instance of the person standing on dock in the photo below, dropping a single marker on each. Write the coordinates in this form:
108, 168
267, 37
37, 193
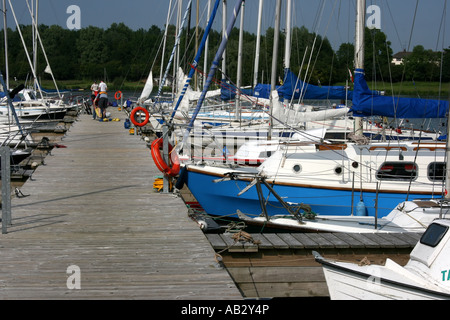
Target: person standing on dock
103, 98
94, 90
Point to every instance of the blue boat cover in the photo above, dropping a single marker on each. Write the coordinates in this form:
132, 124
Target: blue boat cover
290, 85
294, 86
228, 91
262, 91
366, 103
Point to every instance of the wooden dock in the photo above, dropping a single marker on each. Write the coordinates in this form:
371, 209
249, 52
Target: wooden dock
281, 265
91, 227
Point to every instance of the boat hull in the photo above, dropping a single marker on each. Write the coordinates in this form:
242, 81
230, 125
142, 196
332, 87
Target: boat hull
348, 284
221, 198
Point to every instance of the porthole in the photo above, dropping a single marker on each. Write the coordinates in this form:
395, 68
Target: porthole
297, 168
355, 164
338, 170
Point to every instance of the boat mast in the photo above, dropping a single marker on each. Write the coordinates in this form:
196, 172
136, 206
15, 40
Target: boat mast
258, 44
177, 41
196, 59
196, 42
359, 51
287, 53
38, 38
212, 71
164, 45
25, 47
205, 61
239, 65
224, 33
34, 15
273, 80
5, 31
447, 159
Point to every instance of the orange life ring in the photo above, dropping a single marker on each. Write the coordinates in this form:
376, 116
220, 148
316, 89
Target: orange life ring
133, 114
172, 170
118, 95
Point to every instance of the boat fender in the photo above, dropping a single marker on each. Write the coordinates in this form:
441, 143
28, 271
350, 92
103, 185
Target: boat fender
133, 114
127, 124
172, 170
361, 209
203, 225
181, 178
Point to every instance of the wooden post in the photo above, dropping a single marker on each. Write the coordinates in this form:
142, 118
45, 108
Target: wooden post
376, 209
165, 135
5, 154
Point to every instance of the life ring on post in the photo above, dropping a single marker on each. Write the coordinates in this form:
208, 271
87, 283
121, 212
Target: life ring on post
118, 95
133, 114
174, 167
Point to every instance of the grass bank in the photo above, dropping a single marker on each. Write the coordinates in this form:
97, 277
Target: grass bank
86, 85
412, 89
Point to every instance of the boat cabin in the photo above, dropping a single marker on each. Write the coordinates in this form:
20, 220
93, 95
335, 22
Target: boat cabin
432, 253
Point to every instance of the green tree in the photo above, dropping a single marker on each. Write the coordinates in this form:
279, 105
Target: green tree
63, 62
378, 55
92, 52
345, 56
446, 65
422, 64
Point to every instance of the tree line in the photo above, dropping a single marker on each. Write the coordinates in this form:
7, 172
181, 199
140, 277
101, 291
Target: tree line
120, 53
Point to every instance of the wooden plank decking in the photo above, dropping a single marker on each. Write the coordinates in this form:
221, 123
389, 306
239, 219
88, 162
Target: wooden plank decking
93, 206
315, 241
282, 265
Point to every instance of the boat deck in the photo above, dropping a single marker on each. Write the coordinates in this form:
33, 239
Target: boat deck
91, 227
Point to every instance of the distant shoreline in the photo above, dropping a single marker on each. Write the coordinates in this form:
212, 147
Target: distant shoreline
421, 89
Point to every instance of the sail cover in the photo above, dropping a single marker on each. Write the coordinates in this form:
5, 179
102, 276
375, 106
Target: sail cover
228, 91
365, 103
293, 86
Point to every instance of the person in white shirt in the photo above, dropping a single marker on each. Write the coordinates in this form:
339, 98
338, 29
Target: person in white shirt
94, 89
102, 98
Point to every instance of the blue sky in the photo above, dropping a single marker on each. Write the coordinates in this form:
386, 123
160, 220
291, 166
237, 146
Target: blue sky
336, 21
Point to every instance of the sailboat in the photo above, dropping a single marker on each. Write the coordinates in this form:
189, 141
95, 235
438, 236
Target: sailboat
230, 130
370, 177
424, 277
29, 107
14, 135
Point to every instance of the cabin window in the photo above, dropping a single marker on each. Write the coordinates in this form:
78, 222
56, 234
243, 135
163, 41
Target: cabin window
436, 171
265, 154
338, 170
433, 235
397, 171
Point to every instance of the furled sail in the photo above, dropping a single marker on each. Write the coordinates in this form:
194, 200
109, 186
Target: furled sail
292, 86
365, 103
